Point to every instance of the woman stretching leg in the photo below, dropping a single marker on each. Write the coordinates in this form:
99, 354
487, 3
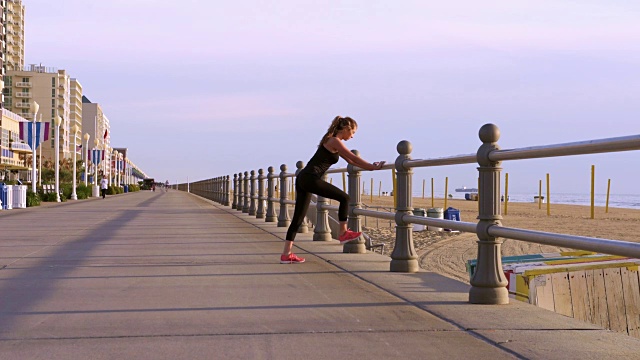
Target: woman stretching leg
309, 181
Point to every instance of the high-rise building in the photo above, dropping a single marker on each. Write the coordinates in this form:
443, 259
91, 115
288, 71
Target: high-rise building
96, 124
50, 88
75, 115
14, 34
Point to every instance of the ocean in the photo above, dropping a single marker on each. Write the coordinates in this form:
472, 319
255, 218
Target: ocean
627, 201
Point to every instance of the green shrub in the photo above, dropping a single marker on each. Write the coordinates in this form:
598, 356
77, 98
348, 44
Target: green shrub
49, 197
33, 199
83, 191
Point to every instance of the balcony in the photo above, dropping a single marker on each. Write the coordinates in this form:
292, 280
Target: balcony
24, 84
23, 105
24, 95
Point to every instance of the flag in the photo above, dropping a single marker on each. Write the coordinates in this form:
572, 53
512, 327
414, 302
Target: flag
96, 156
79, 148
26, 133
106, 133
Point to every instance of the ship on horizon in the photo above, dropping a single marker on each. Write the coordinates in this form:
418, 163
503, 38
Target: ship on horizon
466, 189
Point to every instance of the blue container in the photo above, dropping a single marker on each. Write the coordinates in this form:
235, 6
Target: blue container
3, 196
126, 188
452, 214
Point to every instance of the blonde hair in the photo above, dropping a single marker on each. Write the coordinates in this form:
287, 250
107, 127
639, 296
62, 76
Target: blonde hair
338, 123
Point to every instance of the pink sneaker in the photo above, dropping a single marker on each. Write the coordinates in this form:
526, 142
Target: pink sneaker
349, 236
291, 259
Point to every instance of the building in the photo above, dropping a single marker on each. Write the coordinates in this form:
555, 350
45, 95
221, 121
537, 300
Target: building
96, 124
11, 39
14, 153
75, 117
50, 88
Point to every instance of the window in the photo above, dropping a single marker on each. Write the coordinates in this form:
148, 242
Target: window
53, 93
53, 82
53, 102
26, 79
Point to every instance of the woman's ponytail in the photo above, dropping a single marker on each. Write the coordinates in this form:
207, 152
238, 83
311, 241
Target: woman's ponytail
338, 123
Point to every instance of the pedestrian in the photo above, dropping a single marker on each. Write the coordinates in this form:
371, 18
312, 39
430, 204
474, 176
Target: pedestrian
309, 181
103, 187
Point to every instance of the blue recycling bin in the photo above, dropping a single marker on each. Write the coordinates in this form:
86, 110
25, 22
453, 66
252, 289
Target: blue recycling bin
3, 196
126, 188
452, 214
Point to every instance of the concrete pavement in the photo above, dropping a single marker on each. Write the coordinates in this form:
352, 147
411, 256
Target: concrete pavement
155, 275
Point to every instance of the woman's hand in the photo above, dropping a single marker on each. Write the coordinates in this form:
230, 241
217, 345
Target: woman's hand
378, 165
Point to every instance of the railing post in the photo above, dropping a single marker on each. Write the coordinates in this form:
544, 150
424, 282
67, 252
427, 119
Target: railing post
252, 193
404, 257
283, 217
304, 228
260, 211
488, 284
216, 192
245, 192
227, 190
240, 194
322, 231
355, 202
271, 211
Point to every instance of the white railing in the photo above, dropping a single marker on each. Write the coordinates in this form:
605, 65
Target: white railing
488, 284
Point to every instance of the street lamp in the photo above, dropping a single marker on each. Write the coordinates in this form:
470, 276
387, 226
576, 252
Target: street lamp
34, 110
57, 121
120, 169
85, 156
96, 189
115, 167
75, 129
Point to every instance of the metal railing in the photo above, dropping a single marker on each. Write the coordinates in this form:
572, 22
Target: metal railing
488, 283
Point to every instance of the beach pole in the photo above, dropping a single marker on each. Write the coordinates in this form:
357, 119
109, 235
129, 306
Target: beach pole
593, 179
540, 195
548, 197
606, 209
446, 187
423, 181
432, 202
371, 195
506, 192
380, 189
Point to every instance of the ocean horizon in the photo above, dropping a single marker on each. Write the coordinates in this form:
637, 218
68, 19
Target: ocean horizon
626, 201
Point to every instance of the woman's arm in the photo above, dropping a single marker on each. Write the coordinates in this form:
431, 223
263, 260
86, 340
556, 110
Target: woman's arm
337, 145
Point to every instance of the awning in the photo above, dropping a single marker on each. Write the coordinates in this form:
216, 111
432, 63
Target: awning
20, 147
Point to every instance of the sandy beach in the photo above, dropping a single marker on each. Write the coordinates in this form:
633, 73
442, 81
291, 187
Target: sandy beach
446, 253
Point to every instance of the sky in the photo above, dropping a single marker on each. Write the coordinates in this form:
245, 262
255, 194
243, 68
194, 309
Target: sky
197, 89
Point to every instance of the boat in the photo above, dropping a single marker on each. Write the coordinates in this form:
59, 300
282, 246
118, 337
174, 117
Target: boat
466, 189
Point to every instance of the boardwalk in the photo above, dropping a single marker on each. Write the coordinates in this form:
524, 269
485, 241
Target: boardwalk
155, 275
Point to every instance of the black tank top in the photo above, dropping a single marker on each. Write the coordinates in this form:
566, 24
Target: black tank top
320, 162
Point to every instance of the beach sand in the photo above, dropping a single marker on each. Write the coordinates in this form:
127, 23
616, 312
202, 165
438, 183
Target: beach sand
446, 253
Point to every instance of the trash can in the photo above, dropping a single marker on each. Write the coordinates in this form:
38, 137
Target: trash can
419, 212
452, 214
436, 213
6, 196
19, 196
126, 188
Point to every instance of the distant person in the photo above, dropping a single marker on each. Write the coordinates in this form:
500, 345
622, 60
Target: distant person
104, 184
166, 186
309, 181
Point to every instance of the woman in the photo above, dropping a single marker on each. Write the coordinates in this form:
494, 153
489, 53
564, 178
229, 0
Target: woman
309, 181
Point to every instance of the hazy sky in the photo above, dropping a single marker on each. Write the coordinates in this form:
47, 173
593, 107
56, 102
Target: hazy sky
204, 88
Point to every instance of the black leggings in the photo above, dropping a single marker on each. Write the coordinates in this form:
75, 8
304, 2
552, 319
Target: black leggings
307, 184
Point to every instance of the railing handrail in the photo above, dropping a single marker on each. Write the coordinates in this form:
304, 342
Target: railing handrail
488, 282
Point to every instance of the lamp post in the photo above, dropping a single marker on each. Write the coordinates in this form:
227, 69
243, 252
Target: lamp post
34, 110
75, 129
114, 168
96, 189
85, 155
57, 120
